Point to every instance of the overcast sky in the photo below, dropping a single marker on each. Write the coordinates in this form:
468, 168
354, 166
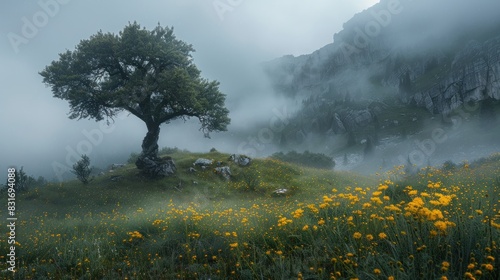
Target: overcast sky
230, 38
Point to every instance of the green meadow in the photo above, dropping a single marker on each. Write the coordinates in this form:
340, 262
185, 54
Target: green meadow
436, 224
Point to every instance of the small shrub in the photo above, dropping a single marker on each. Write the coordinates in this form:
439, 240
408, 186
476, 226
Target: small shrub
132, 158
250, 178
82, 169
23, 181
307, 159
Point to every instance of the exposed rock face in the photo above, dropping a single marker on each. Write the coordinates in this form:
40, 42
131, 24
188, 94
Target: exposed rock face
473, 75
117, 165
338, 125
409, 57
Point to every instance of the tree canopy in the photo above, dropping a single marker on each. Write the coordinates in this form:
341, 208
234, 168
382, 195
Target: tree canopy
150, 74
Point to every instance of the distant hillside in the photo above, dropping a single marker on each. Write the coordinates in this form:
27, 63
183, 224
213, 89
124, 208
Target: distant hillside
392, 66
395, 52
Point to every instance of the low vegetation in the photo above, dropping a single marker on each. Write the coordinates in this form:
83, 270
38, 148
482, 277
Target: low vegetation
82, 169
437, 224
306, 158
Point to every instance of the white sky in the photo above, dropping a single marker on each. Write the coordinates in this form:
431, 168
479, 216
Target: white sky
35, 128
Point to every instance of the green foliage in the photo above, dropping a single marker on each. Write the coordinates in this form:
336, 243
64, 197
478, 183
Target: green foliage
168, 150
132, 158
25, 182
141, 228
82, 169
149, 73
307, 158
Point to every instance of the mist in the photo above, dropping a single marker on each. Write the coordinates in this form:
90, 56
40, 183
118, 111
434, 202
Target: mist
366, 62
230, 44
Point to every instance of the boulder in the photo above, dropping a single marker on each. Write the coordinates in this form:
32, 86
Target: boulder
280, 192
241, 160
203, 162
158, 167
225, 171
115, 178
363, 117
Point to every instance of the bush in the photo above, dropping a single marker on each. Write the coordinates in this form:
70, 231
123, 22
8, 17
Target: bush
449, 165
23, 181
307, 159
82, 169
168, 150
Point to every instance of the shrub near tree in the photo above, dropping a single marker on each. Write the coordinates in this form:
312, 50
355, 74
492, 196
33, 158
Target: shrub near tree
82, 169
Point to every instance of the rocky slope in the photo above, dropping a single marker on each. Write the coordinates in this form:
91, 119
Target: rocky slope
435, 55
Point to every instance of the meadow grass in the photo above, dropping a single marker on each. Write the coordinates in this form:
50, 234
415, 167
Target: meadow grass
330, 225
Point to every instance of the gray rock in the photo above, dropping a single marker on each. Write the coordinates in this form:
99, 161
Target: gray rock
158, 168
280, 192
225, 171
191, 169
241, 160
203, 162
363, 117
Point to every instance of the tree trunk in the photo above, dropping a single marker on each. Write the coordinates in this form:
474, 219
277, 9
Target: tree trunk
150, 142
149, 162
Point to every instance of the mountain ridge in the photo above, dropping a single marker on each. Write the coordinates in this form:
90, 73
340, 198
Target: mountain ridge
358, 59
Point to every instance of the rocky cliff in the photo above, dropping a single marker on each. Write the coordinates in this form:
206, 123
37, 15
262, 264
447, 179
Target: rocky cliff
435, 55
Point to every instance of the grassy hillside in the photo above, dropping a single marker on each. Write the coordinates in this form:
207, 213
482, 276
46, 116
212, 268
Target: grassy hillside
198, 225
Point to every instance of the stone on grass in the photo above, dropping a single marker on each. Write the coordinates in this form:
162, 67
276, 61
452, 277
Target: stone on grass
203, 162
225, 171
241, 160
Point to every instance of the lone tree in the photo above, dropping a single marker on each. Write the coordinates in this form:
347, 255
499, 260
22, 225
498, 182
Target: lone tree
150, 74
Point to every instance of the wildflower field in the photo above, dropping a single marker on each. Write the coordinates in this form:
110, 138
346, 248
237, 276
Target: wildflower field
437, 224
